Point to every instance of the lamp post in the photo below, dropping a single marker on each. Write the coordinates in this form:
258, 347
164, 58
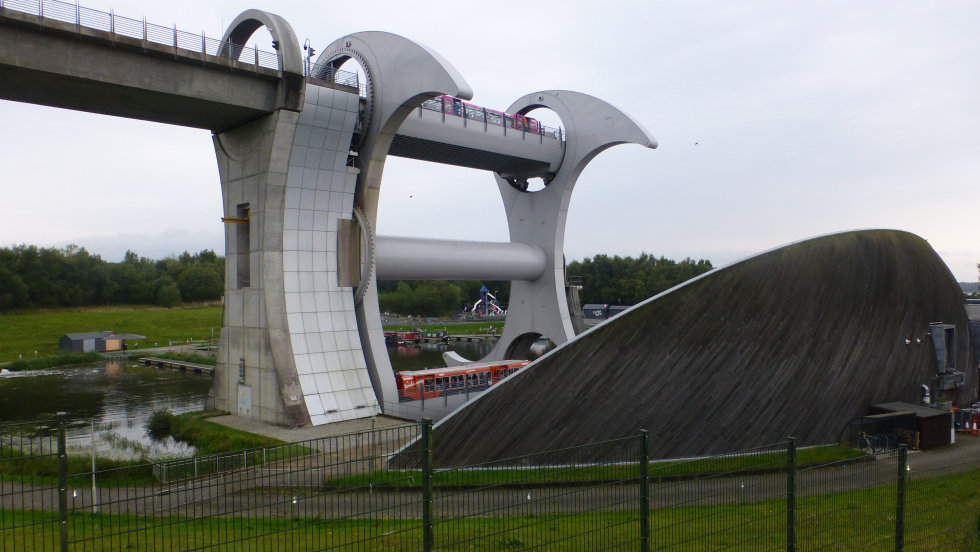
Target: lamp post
309, 56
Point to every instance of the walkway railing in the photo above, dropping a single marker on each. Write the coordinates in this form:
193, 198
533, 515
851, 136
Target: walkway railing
140, 29
489, 117
326, 71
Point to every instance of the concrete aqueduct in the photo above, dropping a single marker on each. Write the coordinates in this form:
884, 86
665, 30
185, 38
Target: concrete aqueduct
301, 149
302, 307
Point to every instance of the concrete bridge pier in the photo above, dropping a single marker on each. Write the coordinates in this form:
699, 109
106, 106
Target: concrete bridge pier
253, 164
290, 352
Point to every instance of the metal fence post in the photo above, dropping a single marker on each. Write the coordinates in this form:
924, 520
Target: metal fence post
427, 536
95, 491
900, 501
62, 483
791, 494
644, 492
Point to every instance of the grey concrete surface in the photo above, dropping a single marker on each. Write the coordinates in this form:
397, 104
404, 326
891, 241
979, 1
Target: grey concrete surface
310, 432
126, 77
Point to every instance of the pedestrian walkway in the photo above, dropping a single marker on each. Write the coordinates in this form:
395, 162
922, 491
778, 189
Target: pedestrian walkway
292, 435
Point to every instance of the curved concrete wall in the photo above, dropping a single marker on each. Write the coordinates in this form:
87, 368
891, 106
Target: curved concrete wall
794, 342
326, 347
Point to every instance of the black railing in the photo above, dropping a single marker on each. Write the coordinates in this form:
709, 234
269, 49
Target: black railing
384, 490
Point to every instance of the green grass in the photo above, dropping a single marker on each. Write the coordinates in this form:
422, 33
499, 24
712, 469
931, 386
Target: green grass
37, 469
54, 361
750, 463
211, 438
464, 328
40, 331
193, 428
24, 333
941, 514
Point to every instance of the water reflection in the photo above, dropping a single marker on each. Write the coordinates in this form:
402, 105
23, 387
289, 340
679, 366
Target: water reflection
117, 395
120, 396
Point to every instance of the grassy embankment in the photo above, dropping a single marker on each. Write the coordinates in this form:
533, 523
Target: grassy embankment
192, 428
941, 514
659, 469
210, 438
54, 361
40, 331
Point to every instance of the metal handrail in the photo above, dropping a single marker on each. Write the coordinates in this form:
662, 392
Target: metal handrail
488, 117
326, 71
139, 29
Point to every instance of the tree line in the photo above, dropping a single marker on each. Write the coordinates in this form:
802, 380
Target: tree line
626, 280
436, 297
33, 277
606, 280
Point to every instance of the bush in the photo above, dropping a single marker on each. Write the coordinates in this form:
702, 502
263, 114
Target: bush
158, 426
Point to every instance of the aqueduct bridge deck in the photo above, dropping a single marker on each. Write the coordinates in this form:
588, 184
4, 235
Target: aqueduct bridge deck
63, 55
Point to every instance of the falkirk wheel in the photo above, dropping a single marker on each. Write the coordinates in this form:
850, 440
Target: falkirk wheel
301, 340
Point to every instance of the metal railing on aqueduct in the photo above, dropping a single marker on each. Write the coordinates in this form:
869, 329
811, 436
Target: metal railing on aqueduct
168, 36
345, 493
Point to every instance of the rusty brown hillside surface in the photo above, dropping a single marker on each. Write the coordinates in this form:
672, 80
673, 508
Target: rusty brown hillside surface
793, 342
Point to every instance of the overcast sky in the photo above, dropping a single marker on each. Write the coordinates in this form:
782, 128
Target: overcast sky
777, 121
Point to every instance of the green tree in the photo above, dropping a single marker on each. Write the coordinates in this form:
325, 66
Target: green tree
71, 276
628, 280
200, 282
13, 291
168, 295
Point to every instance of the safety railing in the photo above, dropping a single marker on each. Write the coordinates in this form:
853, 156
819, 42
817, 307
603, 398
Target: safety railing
490, 117
326, 71
29, 500
140, 29
388, 489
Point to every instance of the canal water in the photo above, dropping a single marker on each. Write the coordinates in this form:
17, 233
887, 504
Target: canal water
119, 396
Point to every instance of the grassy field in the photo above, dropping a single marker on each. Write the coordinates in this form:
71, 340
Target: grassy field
25, 333
40, 331
941, 514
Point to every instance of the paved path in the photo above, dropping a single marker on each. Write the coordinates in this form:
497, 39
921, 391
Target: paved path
306, 433
298, 490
